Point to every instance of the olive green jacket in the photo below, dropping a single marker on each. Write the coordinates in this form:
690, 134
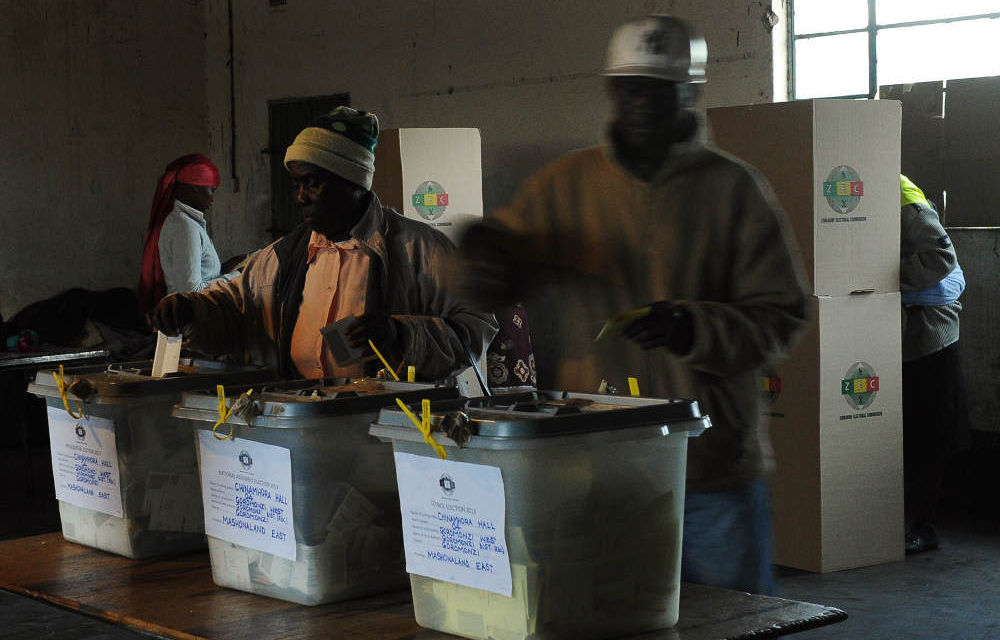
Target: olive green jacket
705, 232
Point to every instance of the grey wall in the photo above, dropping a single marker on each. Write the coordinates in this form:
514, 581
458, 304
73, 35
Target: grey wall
522, 71
979, 254
949, 145
98, 95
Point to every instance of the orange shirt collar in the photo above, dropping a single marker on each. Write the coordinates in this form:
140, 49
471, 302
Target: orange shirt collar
318, 242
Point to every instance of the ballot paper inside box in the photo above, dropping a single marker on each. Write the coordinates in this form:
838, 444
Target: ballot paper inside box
123, 467
345, 531
160, 510
594, 494
173, 501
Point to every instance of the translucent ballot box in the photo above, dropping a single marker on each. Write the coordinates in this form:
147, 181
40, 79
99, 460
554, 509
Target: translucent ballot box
560, 517
300, 502
125, 470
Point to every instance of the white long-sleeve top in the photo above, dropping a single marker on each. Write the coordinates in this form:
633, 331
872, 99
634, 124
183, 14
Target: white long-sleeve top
187, 255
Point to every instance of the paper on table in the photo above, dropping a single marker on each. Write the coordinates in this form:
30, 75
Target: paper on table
168, 354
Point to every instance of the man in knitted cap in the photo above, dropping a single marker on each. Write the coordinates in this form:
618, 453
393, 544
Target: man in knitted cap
688, 246
349, 257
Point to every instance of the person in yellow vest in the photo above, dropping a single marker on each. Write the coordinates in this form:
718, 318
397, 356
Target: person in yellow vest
934, 410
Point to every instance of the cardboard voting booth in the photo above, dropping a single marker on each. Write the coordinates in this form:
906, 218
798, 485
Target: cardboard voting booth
835, 405
432, 175
835, 409
834, 165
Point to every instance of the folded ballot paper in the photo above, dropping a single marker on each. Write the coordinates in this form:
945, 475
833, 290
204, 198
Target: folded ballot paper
168, 354
336, 340
619, 321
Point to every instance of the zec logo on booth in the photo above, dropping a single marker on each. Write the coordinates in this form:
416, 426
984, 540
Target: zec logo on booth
769, 385
843, 189
430, 200
860, 385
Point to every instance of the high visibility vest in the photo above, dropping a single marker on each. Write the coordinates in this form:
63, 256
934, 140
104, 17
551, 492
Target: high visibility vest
910, 193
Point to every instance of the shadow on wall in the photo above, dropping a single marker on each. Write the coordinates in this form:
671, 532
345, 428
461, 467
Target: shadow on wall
508, 170
979, 254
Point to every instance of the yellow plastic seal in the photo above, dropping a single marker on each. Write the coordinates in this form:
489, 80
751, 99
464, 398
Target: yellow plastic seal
375, 350
225, 413
424, 426
61, 385
633, 386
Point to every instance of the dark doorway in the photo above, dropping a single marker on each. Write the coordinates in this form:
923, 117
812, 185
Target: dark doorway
286, 118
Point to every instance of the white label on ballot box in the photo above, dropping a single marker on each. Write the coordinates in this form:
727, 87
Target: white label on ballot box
85, 462
246, 488
453, 522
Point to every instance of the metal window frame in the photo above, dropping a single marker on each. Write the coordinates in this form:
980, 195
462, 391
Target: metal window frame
872, 30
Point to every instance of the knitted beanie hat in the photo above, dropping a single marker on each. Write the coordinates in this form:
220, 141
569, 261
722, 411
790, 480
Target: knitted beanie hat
342, 142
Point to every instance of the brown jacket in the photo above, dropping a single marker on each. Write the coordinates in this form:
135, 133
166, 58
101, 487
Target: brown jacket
704, 232
407, 258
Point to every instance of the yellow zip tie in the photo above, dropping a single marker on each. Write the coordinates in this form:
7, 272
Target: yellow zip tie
411, 374
61, 385
379, 354
426, 430
221, 392
224, 413
633, 386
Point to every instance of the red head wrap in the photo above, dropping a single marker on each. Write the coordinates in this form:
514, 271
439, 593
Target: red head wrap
193, 169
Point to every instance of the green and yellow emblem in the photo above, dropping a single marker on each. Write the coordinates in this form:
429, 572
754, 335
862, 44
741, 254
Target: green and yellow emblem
430, 200
860, 385
843, 189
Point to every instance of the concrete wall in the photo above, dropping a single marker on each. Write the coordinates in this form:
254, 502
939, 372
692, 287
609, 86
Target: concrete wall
979, 254
96, 97
522, 71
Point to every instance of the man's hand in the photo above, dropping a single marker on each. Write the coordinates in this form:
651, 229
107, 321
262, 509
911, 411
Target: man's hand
490, 267
380, 328
173, 315
666, 325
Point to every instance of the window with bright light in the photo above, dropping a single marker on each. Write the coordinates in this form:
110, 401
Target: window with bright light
847, 49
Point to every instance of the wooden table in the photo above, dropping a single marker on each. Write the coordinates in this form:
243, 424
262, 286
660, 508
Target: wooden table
176, 598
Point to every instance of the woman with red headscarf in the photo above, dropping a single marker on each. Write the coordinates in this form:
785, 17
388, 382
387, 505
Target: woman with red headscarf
177, 254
